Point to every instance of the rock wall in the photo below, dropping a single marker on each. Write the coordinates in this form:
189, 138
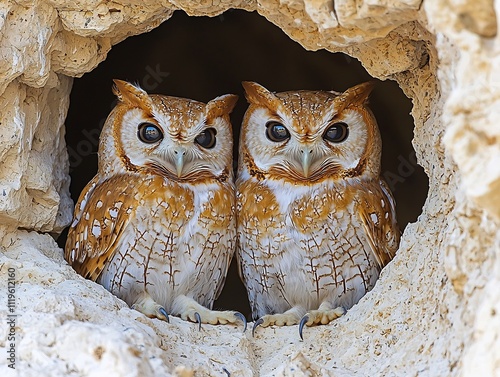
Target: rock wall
433, 312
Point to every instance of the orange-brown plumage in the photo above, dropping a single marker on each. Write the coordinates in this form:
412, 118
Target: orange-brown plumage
156, 225
316, 223
91, 251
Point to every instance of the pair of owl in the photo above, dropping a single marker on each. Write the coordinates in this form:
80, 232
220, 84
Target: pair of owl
310, 218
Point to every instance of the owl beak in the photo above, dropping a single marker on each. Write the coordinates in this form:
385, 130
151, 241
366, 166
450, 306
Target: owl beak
180, 153
306, 160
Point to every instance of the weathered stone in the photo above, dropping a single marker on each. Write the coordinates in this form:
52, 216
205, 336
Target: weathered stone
433, 312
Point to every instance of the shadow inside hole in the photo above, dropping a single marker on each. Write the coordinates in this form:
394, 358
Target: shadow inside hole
201, 58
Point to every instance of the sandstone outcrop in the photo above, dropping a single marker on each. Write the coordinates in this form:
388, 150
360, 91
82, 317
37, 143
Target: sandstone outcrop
435, 310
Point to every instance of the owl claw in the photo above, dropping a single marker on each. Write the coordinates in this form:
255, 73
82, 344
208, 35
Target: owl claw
164, 312
256, 324
303, 321
150, 308
322, 316
242, 318
198, 320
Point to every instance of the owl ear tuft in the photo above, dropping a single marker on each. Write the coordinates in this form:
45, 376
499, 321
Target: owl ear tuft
257, 94
358, 94
130, 94
220, 106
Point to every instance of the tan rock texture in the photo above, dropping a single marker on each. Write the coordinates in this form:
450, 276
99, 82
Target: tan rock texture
435, 310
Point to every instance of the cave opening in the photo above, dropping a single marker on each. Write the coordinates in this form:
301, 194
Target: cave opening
203, 57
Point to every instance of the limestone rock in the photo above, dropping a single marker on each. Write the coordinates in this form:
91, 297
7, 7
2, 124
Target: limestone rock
433, 312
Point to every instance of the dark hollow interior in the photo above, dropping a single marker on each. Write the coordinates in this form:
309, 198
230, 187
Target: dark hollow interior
201, 58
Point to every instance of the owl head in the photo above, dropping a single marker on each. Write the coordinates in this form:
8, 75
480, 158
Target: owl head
181, 139
309, 136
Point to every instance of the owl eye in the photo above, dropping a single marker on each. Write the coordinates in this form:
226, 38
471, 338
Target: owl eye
207, 138
337, 132
276, 132
149, 133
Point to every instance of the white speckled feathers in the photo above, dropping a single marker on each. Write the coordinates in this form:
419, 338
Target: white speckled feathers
315, 222
156, 226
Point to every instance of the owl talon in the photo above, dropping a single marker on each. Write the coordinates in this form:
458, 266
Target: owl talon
303, 321
150, 308
198, 320
256, 324
242, 318
164, 312
322, 316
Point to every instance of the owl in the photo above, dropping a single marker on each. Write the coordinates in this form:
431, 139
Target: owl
156, 226
316, 222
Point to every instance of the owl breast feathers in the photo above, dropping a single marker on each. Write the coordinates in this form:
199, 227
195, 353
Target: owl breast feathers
156, 226
316, 223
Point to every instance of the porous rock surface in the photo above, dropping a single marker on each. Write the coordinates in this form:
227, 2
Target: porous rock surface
435, 310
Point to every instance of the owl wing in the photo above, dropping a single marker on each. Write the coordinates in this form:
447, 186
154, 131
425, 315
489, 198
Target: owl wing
376, 209
222, 279
228, 231
101, 214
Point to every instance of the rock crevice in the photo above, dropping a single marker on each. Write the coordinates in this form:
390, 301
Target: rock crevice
434, 310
